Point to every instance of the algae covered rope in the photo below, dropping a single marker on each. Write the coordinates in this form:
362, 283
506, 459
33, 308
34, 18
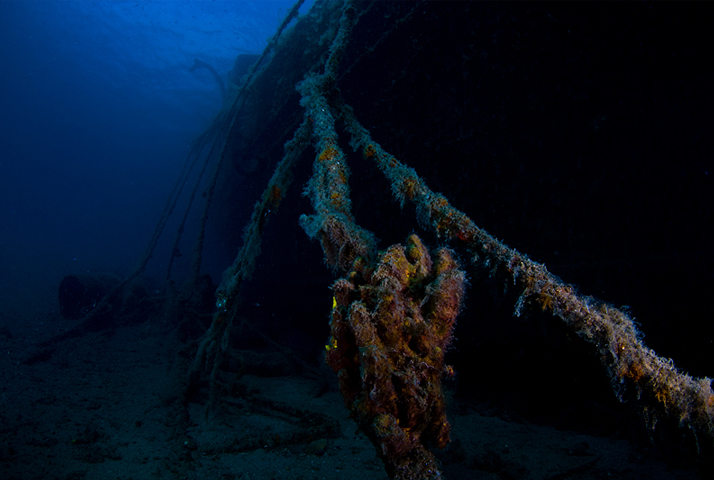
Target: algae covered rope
341, 238
232, 113
392, 316
661, 390
213, 346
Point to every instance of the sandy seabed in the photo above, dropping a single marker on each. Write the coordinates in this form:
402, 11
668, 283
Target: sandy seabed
111, 405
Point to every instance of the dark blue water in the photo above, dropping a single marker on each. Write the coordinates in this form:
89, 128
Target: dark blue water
97, 109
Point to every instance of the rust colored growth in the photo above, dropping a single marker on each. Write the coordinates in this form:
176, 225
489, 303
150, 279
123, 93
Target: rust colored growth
707, 394
339, 201
465, 235
369, 151
391, 323
393, 266
546, 301
342, 240
410, 186
446, 292
328, 154
447, 220
631, 367
275, 196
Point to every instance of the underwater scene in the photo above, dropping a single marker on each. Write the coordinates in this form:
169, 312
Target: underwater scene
348, 239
